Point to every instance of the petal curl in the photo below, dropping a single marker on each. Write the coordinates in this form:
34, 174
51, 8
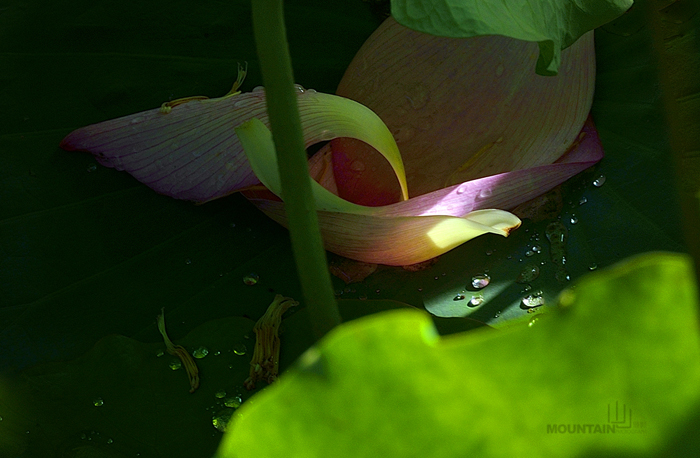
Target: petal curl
390, 235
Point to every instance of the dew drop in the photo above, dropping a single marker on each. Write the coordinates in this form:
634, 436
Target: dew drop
582, 201
480, 281
251, 279
92, 168
574, 219
258, 89
137, 120
160, 353
497, 314
532, 321
458, 297
462, 189
188, 261
535, 249
593, 266
175, 364
239, 349
489, 252
529, 273
234, 402
299, 89
600, 181
484, 194
220, 394
357, 166
98, 402
404, 133
110, 441
0, 418
533, 300
476, 301
221, 419
200, 352
557, 234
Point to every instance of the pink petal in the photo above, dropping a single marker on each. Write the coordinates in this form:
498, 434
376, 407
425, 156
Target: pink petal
191, 153
462, 109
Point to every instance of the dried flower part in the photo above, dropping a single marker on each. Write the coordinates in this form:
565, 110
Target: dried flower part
180, 352
265, 362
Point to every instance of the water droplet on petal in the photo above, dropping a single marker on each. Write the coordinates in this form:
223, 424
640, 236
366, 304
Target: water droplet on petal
251, 279
357, 166
98, 402
480, 281
600, 181
458, 297
476, 301
299, 89
200, 352
259, 89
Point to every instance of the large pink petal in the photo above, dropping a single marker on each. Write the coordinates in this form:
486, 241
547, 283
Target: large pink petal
190, 153
461, 109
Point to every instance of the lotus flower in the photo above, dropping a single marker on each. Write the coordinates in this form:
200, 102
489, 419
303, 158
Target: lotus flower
478, 131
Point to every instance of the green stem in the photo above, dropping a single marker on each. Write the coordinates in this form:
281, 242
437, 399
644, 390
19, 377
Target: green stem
275, 63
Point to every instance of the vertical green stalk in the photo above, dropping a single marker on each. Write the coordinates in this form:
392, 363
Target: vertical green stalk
275, 63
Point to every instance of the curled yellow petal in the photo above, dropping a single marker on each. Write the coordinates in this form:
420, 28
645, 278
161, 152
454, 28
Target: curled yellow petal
384, 235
